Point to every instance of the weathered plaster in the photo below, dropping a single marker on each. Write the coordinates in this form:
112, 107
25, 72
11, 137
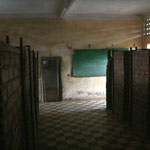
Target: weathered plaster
52, 37
146, 41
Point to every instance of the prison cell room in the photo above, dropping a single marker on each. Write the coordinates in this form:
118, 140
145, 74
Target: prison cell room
74, 75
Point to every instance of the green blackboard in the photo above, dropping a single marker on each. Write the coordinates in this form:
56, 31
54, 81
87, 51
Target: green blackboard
90, 63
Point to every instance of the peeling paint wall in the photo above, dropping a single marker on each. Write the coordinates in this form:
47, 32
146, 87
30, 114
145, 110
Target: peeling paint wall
53, 36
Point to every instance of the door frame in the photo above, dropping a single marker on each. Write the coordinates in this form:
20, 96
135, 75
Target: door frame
59, 84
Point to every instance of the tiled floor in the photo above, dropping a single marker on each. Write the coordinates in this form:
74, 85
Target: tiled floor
84, 125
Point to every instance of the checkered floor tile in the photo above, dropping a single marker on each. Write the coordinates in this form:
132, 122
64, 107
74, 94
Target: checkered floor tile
84, 125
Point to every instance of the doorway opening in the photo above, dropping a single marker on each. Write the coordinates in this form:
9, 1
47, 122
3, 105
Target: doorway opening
51, 75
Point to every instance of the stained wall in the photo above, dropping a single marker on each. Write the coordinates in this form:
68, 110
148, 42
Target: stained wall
59, 37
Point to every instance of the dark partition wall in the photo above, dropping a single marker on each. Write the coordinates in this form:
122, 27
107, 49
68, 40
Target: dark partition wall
130, 80
12, 118
140, 91
109, 85
127, 85
18, 114
122, 84
30, 101
119, 84
110, 81
35, 89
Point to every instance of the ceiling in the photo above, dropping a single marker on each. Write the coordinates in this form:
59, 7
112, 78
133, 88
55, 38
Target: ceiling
74, 8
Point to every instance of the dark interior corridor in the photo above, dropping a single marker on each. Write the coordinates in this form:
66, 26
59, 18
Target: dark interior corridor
74, 74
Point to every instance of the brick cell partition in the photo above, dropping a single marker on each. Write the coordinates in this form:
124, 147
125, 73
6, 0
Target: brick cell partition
118, 84
122, 86
37, 74
35, 61
127, 85
34, 91
11, 118
37, 84
140, 91
28, 98
18, 98
1, 106
30, 74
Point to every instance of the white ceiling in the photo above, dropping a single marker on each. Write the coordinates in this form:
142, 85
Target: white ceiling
30, 8
73, 8
110, 7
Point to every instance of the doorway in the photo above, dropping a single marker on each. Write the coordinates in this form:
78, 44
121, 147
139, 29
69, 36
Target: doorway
51, 75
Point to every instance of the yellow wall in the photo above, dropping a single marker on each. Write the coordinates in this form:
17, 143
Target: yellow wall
51, 37
146, 41
44, 34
